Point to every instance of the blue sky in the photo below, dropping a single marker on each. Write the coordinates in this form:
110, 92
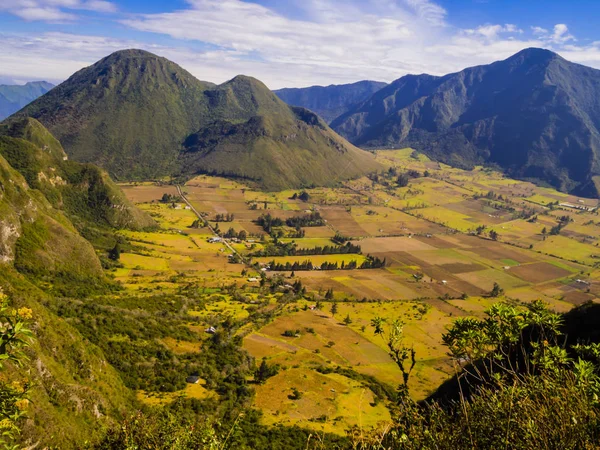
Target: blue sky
291, 42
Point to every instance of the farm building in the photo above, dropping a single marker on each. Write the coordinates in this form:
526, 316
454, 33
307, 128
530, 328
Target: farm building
579, 207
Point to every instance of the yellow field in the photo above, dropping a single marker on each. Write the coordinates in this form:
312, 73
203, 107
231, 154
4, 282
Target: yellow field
435, 237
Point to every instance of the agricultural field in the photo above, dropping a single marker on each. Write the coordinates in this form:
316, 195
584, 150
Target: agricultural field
426, 252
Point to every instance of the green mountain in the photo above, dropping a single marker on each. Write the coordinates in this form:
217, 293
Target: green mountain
128, 113
141, 116
534, 114
331, 101
256, 136
84, 192
15, 97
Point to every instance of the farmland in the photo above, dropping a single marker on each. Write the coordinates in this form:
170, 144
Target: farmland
444, 240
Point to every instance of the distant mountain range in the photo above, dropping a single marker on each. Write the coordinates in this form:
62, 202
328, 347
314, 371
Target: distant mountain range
331, 101
15, 97
534, 114
141, 116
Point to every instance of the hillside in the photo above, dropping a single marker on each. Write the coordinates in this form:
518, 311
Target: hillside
535, 114
331, 101
46, 203
258, 137
140, 116
15, 97
85, 193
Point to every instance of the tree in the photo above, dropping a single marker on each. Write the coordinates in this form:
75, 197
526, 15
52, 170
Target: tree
496, 291
115, 252
295, 395
168, 198
402, 180
401, 354
347, 320
334, 309
304, 196
242, 235
265, 371
494, 235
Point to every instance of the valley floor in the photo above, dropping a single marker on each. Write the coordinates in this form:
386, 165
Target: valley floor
446, 238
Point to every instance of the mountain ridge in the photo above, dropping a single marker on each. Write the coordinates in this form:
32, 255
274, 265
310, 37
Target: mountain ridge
533, 114
330, 101
135, 114
15, 97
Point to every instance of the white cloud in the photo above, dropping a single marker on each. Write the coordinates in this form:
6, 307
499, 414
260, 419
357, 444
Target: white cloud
539, 31
430, 11
561, 34
494, 31
327, 41
54, 10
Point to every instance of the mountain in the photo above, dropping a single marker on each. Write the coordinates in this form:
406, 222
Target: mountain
140, 116
45, 202
128, 113
83, 192
331, 101
534, 114
15, 97
258, 137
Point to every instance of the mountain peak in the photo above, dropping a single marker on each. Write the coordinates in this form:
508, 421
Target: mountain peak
534, 55
246, 81
131, 53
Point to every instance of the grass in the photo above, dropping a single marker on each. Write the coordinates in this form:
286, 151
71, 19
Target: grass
196, 390
568, 249
329, 403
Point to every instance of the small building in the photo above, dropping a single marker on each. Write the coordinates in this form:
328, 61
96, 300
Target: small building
211, 330
212, 240
193, 379
578, 207
252, 280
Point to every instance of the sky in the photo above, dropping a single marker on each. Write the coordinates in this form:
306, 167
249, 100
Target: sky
291, 43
